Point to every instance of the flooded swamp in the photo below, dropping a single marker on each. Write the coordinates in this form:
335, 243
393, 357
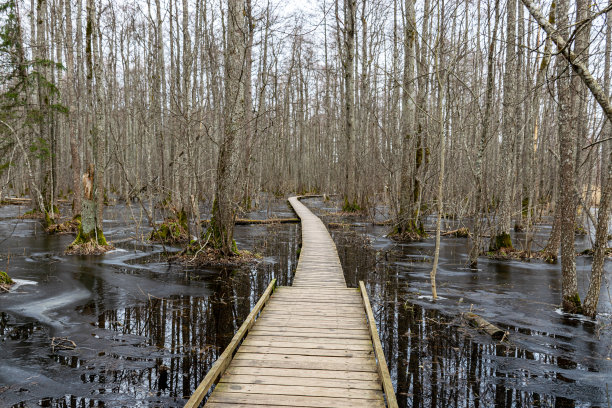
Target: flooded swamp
128, 329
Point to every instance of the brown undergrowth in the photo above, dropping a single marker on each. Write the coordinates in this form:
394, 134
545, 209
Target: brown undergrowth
352, 214
591, 251
89, 248
512, 254
31, 215
70, 226
197, 255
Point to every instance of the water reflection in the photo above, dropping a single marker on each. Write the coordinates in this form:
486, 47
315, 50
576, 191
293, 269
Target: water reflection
148, 333
437, 361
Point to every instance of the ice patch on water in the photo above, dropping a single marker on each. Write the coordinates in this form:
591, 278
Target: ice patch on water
21, 282
430, 298
582, 318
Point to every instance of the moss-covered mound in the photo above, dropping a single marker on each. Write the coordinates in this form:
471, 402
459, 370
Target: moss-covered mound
409, 233
172, 230
501, 243
349, 207
88, 248
5, 282
93, 243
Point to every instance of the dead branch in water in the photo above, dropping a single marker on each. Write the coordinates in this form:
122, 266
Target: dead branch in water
62, 343
483, 325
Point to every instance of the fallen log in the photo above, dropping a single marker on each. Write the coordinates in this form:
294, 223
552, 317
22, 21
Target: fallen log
24, 201
483, 325
458, 233
244, 221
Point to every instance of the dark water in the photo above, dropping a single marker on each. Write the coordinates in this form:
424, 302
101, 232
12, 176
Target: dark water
146, 332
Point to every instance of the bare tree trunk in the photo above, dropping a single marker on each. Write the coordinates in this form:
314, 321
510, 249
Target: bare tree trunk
248, 106
442, 141
601, 237
603, 213
501, 238
222, 222
350, 15
484, 135
407, 224
72, 114
567, 144
98, 127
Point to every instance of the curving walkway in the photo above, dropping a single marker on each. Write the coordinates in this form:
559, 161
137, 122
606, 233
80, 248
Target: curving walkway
311, 345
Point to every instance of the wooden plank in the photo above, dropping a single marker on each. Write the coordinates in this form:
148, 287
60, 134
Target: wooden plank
305, 351
297, 321
224, 360
321, 289
240, 355
308, 364
313, 332
332, 342
327, 312
301, 381
250, 400
299, 390
381, 362
313, 344
370, 376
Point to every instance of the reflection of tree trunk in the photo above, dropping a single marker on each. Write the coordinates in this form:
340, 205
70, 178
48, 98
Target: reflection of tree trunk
500, 388
414, 362
221, 306
188, 354
403, 344
434, 349
474, 371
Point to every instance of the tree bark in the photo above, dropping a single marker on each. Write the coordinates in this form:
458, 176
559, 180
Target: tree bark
72, 114
603, 213
501, 239
484, 135
407, 223
350, 15
222, 221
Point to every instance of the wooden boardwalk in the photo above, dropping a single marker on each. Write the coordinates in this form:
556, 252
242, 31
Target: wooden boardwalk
314, 344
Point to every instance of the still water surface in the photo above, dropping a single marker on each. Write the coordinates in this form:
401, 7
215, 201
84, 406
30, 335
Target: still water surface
146, 332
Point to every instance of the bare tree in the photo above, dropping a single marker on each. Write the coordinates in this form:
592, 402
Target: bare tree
221, 230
